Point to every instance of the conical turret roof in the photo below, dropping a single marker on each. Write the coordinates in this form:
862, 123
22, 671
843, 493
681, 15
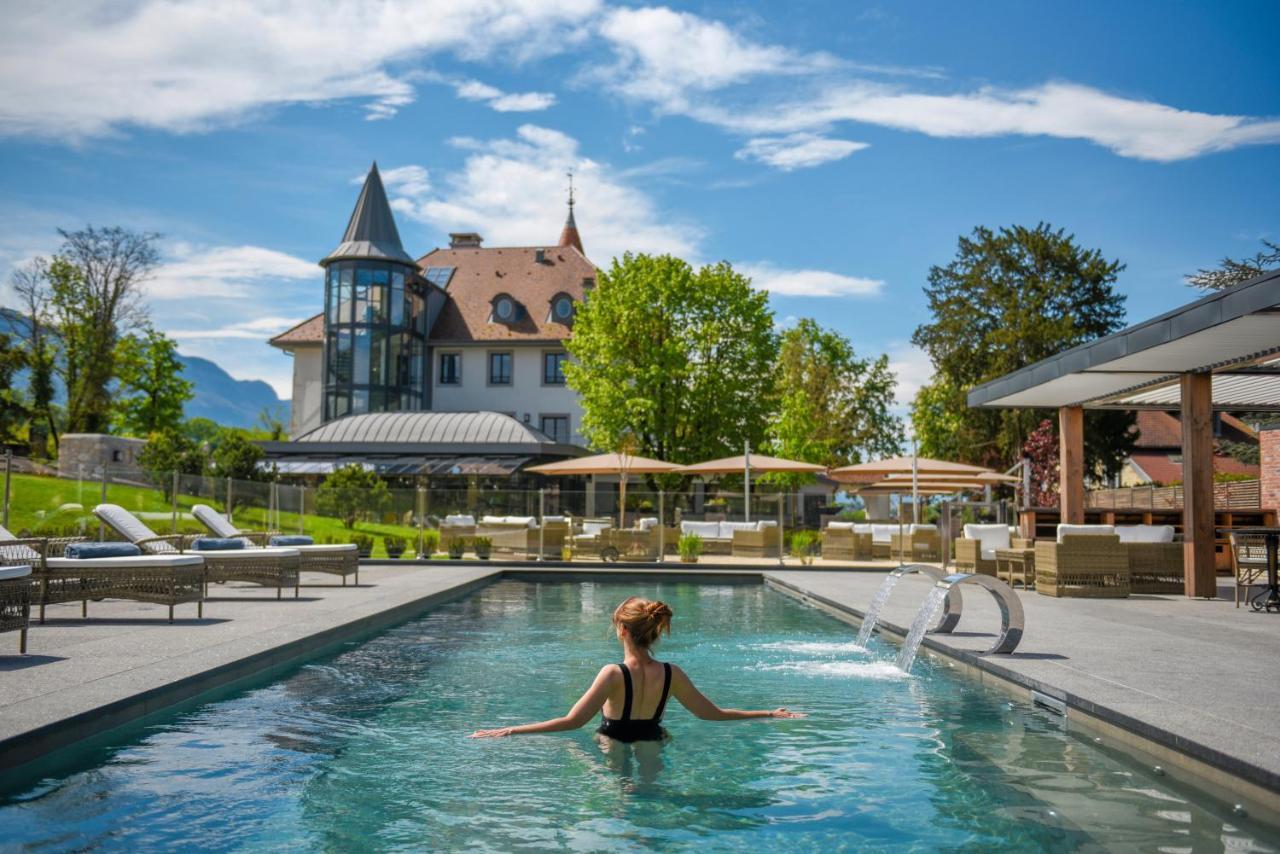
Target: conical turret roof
569, 234
371, 232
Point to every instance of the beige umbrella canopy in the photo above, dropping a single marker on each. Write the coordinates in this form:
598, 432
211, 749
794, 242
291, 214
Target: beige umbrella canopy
923, 487
624, 465
746, 464
902, 465
986, 478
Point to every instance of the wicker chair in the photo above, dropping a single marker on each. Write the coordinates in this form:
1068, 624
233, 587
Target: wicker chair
340, 559
975, 552
917, 542
882, 540
763, 542
641, 543
843, 541
269, 567
172, 579
1155, 560
15, 602
1248, 562
1090, 566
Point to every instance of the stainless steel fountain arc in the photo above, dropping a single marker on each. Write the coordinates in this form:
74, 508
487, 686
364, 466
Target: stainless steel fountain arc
952, 606
1011, 616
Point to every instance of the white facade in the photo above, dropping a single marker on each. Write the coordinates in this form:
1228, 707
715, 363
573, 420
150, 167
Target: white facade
308, 390
527, 399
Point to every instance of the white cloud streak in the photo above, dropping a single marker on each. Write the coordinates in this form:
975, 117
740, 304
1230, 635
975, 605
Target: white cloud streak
504, 102
797, 150
224, 272
808, 283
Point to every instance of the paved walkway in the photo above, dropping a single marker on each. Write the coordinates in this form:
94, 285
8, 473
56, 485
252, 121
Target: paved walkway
1200, 670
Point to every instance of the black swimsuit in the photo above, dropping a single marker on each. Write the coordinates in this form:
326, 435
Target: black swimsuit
624, 728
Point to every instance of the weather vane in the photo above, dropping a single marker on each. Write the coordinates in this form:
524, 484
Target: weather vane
570, 174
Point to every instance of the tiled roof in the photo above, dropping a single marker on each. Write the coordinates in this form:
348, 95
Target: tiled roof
482, 274
1165, 467
309, 332
1159, 429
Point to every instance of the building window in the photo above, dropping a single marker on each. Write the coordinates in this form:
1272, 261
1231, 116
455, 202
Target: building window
562, 309
504, 309
450, 368
553, 368
499, 369
555, 426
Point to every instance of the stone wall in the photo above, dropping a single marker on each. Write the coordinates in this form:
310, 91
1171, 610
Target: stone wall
1269, 440
87, 453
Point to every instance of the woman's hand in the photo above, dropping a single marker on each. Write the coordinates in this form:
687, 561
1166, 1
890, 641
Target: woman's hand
491, 733
786, 713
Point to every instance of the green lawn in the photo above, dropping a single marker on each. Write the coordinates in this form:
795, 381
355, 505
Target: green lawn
48, 505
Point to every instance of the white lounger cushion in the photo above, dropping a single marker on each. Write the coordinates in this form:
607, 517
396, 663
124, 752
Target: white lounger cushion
840, 526
766, 523
593, 529
317, 548
215, 521
123, 563
1145, 533
989, 537
250, 554
912, 529
460, 520
8, 573
130, 526
883, 533
647, 523
862, 527
1084, 531
706, 530
727, 528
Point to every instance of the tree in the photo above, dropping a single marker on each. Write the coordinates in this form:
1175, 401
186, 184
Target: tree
152, 391
235, 457
271, 422
1008, 299
1231, 272
1041, 451
202, 431
13, 412
95, 291
833, 407
679, 359
938, 421
170, 451
30, 283
350, 493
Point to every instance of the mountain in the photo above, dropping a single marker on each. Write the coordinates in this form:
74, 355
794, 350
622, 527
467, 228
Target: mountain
218, 396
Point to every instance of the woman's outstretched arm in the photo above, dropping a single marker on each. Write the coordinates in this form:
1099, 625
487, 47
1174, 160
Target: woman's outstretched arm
691, 698
582, 711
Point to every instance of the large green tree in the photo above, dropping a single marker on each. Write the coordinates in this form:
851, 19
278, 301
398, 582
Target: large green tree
351, 493
677, 358
833, 407
151, 392
13, 412
1232, 272
1010, 298
167, 452
31, 285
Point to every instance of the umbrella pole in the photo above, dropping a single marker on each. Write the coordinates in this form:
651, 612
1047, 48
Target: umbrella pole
915, 482
746, 479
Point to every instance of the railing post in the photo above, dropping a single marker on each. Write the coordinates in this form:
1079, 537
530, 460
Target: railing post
662, 524
8, 474
782, 497
230, 506
174, 502
420, 507
542, 521
102, 533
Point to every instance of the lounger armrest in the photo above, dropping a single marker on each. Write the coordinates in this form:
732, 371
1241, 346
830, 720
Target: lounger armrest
967, 550
9, 552
1020, 543
178, 541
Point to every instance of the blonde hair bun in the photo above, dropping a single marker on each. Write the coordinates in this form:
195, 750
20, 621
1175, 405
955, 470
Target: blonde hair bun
644, 619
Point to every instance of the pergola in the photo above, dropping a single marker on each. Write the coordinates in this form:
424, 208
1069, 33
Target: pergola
1217, 353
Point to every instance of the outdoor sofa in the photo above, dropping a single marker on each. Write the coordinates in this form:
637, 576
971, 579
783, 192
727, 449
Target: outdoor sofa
1155, 560
882, 539
1084, 561
456, 526
269, 567
744, 539
172, 579
846, 541
521, 535
916, 542
340, 559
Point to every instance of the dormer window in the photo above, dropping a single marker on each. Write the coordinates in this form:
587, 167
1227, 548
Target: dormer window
505, 309
562, 309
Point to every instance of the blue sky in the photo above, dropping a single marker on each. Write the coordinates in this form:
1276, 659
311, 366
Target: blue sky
833, 150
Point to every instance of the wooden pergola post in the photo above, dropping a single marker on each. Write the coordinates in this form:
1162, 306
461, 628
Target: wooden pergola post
1197, 485
1071, 464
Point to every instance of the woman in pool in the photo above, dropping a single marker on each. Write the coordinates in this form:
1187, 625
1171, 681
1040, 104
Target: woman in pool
633, 694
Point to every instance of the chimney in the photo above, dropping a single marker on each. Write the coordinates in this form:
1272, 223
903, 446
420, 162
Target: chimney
540, 255
464, 240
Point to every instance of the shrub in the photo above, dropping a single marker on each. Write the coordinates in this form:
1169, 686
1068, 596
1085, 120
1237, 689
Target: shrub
690, 547
394, 544
430, 542
351, 493
364, 543
483, 547
456, 548
804, 545
852, 515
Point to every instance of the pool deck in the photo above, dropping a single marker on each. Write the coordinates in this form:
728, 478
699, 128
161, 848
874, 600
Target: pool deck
1187, 683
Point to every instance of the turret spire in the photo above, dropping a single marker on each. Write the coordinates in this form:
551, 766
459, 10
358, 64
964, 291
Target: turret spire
569, 235
371, 231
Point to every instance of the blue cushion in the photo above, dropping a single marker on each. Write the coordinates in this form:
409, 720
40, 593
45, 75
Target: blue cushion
87, 551
217, 544
292, 540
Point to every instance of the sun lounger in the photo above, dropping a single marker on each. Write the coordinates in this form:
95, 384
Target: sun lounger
172, 579
270, 567
340, 559
15, 602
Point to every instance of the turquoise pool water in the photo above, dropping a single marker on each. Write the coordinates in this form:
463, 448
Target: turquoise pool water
367, 750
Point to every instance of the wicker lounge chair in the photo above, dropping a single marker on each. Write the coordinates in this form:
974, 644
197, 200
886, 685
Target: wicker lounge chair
916, 542
640, 543
976, 550
846, 541
762, 541
270, 567
589, 537
172, 579
15, 602
1155, 560
1086, 561
882, 539
1248, 562
341, 559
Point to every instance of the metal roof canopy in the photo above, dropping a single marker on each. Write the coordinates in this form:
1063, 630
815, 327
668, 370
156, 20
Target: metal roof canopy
1234, 333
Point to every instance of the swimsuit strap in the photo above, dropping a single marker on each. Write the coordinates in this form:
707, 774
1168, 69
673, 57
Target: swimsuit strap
666, 686
626, 702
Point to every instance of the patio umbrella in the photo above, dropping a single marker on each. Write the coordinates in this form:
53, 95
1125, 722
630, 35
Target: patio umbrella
913, 466
747, 463
621, 464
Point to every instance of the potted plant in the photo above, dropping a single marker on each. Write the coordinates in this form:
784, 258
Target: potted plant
804, 545
690, 548
483, 547
429, 543
395, 545
456, 547
364, 544
566, 552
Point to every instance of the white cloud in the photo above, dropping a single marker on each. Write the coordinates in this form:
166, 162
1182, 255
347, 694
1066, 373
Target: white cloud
808, 283
258, 329
193, 65
504, 102
797, 150
511, 191
227, 272
912, 368
412, 180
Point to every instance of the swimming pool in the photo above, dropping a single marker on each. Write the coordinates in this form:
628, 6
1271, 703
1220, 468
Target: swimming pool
368, 749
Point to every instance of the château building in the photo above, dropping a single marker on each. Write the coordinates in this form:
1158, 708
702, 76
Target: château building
463, 329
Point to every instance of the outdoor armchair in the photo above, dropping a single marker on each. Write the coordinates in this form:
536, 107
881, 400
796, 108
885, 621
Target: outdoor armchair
846, 541
976, 550
173, 579
1155, 560
15, 602
340, 559
1085, 561
761, 541
269, 567
1248, 562
916, 542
